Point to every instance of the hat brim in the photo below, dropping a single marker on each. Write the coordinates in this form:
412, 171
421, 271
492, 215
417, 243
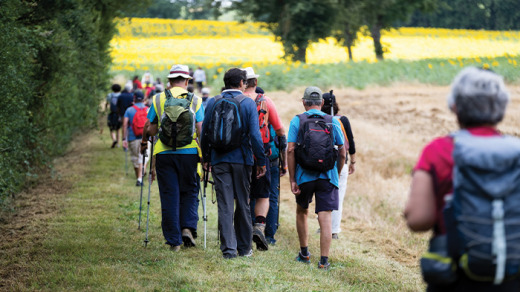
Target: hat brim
252, 77
174, 75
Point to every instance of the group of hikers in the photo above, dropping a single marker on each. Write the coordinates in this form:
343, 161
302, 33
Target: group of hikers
465, 186
239, 138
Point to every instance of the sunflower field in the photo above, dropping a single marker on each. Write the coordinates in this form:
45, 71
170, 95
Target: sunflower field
155, 44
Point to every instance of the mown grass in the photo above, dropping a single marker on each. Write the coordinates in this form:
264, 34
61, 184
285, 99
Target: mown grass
359, 74
93, 244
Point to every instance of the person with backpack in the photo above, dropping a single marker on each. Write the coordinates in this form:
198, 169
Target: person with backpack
465, 189
133, 125
113, 119
230, 138
330, 106
125, 100
260, 188
315, 156
176, 116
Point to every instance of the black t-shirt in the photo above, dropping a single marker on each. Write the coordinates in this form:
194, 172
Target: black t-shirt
351, 145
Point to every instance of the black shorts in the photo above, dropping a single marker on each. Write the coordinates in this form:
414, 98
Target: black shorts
327, 198
113, 122
260, 188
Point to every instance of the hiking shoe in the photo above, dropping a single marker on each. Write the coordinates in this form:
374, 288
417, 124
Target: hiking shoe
325, 266
335, 236
248, 254
187, 237
259, 237
138, 183
304, 259
227, 256
175, 248
114, 144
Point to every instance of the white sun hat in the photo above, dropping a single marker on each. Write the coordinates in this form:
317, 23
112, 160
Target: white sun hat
251, 73
179, 70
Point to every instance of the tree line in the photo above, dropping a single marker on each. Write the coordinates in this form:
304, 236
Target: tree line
54, 68
297, 23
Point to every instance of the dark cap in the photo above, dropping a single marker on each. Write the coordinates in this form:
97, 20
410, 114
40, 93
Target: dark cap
328, 98
312, 93
138, 95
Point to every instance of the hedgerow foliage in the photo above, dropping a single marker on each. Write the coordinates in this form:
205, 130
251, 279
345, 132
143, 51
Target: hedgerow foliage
54, 63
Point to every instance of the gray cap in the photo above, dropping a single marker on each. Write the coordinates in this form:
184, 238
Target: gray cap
312, 93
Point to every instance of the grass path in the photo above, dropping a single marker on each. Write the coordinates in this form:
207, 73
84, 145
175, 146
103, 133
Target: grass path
77, 230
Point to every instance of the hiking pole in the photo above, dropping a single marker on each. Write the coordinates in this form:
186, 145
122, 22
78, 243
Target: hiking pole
149, 191
205, 217
332, 100
141, 196
280, 169
126, 161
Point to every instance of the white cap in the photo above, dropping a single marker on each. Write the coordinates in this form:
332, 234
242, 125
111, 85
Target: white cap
179, 70
205, 90
250, 73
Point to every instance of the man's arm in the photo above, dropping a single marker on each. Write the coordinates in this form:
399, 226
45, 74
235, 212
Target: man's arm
342, 154
291, 161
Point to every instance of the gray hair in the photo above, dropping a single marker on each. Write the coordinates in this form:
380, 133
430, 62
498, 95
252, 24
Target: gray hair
313, 102
480, 97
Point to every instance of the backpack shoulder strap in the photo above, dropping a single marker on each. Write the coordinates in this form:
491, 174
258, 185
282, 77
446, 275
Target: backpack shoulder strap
158, 105
239, 98
259, 98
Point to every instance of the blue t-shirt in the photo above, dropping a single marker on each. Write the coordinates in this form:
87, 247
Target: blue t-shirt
199, 117
303, 175
130, 112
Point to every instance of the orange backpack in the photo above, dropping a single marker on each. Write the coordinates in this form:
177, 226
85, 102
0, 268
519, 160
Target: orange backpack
263, 117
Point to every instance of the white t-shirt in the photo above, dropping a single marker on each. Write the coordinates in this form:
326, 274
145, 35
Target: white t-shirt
199, 75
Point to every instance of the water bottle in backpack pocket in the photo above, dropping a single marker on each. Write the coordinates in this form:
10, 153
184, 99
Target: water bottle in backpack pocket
315, 149
483, 217
437, 267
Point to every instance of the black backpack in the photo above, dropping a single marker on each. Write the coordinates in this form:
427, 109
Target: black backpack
315, 149
225, 126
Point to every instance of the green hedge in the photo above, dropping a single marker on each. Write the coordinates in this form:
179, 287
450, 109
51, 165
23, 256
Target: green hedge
54, 62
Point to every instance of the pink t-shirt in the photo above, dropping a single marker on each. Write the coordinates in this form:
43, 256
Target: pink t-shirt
436, 159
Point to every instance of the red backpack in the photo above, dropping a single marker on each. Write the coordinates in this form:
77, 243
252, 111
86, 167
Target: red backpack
139, 120
263, 117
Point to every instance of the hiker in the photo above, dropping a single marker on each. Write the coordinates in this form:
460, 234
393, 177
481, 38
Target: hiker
260, 188
330, 106
137, 85
314, 170
125, 100
113, 119
159, 86
475, 162
176, 162
230, 158
133, 124
205, 96
200, 77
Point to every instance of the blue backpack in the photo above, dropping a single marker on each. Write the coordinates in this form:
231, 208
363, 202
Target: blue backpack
225, 125
483, 215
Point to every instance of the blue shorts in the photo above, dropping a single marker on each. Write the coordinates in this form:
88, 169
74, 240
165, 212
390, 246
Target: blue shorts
327, 198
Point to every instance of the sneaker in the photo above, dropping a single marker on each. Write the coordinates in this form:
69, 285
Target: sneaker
304, 259
138, 183
325, 266
248, 254
114, 144
335, 236
175, 248
187, 238
259, 237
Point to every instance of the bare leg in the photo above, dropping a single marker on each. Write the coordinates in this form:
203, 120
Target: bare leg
301, 225
262, 207
324, 218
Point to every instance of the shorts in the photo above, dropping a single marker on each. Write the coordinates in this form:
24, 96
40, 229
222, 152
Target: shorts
260, 188
135, 153
327, 198
113, 121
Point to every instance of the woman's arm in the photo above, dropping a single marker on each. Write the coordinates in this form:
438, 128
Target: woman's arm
420, 208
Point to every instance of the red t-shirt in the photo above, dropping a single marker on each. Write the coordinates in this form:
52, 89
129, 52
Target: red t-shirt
436, 159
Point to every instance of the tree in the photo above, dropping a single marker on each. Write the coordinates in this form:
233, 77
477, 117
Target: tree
348, 23
181, 9
380, 15
296, 23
